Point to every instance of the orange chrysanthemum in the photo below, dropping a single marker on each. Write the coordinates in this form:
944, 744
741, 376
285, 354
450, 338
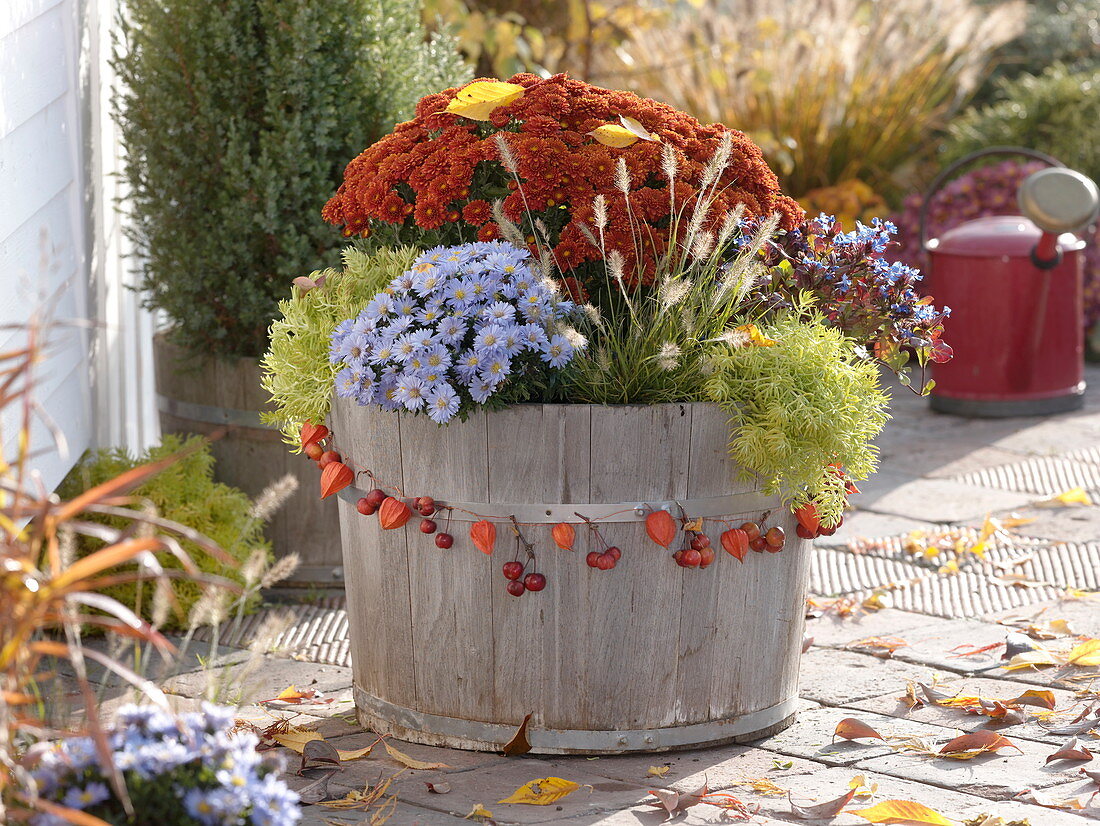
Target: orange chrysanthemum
433, 179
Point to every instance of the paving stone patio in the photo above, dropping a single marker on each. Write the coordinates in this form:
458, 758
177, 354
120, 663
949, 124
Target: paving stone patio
939, 472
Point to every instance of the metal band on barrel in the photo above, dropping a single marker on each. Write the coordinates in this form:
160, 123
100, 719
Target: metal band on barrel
572, 741
211, 415
737, 503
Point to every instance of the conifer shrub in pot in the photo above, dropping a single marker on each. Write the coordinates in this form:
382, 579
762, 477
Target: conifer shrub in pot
580, 460
236, 119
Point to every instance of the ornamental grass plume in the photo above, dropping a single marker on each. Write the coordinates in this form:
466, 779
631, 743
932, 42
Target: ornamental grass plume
434, 179
830, 92
47, 600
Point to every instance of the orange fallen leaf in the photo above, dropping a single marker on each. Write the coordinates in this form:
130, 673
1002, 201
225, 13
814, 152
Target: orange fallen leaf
852, 729
902, 811
975, 743
479, 811
292, 696
1072, 750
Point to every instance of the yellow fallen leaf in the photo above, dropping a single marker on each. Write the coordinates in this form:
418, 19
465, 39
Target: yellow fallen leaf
902, 811
479, 811
295, 739
1073, 496
950, 568
411, 762
613, 135
764, 786
1031, 659
1087, 653
657, 771
636, 128
478, 100
542, 792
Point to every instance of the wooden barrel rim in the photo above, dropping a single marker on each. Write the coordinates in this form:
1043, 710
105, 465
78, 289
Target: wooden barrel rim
380, 715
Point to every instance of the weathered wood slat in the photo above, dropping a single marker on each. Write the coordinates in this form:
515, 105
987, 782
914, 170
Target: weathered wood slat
376, 565
642, 647
452, 626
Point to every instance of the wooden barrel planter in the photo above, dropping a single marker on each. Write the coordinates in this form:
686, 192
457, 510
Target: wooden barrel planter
223, 397
645, 657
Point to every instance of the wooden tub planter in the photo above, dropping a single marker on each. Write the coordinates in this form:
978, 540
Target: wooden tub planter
648, 656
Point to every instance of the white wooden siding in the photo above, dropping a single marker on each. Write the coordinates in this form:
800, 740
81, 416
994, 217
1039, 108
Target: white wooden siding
60, 244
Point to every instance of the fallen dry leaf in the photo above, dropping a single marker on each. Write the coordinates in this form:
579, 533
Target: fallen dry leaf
1069, 498
411, 762
1048, 799
852, 729
519, 744
479, 811
902, 811
878, 645
862, 787
1071, 750
438, 788
292, 696
542, 792
971, 745
657, 771
674, 802
319, 754
317, 791
296, 739
1085, 654
822, 811
764, 786
1031, 659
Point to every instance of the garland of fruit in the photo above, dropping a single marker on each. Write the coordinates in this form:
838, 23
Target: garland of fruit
395, 510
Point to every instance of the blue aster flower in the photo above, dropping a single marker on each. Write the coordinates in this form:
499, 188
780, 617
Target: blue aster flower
490, 340
557, 351
467, 366
450, 330
481, 389
442, 403
379, 307
81, 798
410, 391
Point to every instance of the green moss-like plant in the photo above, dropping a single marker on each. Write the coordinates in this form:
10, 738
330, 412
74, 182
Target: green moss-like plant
296, 368
797, 407
184, 492
236, 119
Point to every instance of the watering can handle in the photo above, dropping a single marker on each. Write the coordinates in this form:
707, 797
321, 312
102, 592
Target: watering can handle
966, 160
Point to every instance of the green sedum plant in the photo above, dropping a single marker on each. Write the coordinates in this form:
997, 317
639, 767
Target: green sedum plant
236, 119
296, 367
184, 492
798, 407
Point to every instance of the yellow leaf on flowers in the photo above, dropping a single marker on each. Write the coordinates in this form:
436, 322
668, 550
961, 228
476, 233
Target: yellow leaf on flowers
754, 335
411, 762
657, 771
636, 128
902, 811
1087, 653
478, 100
479, 811
613, 135
542, 792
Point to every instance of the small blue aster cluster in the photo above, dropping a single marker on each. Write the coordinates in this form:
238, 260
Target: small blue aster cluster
451, 331
179, 769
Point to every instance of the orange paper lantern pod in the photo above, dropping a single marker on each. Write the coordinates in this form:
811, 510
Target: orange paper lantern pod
484, 535
564, 535
661, 527
313, 433
736, 543
393, 513
808, 517
334, 478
